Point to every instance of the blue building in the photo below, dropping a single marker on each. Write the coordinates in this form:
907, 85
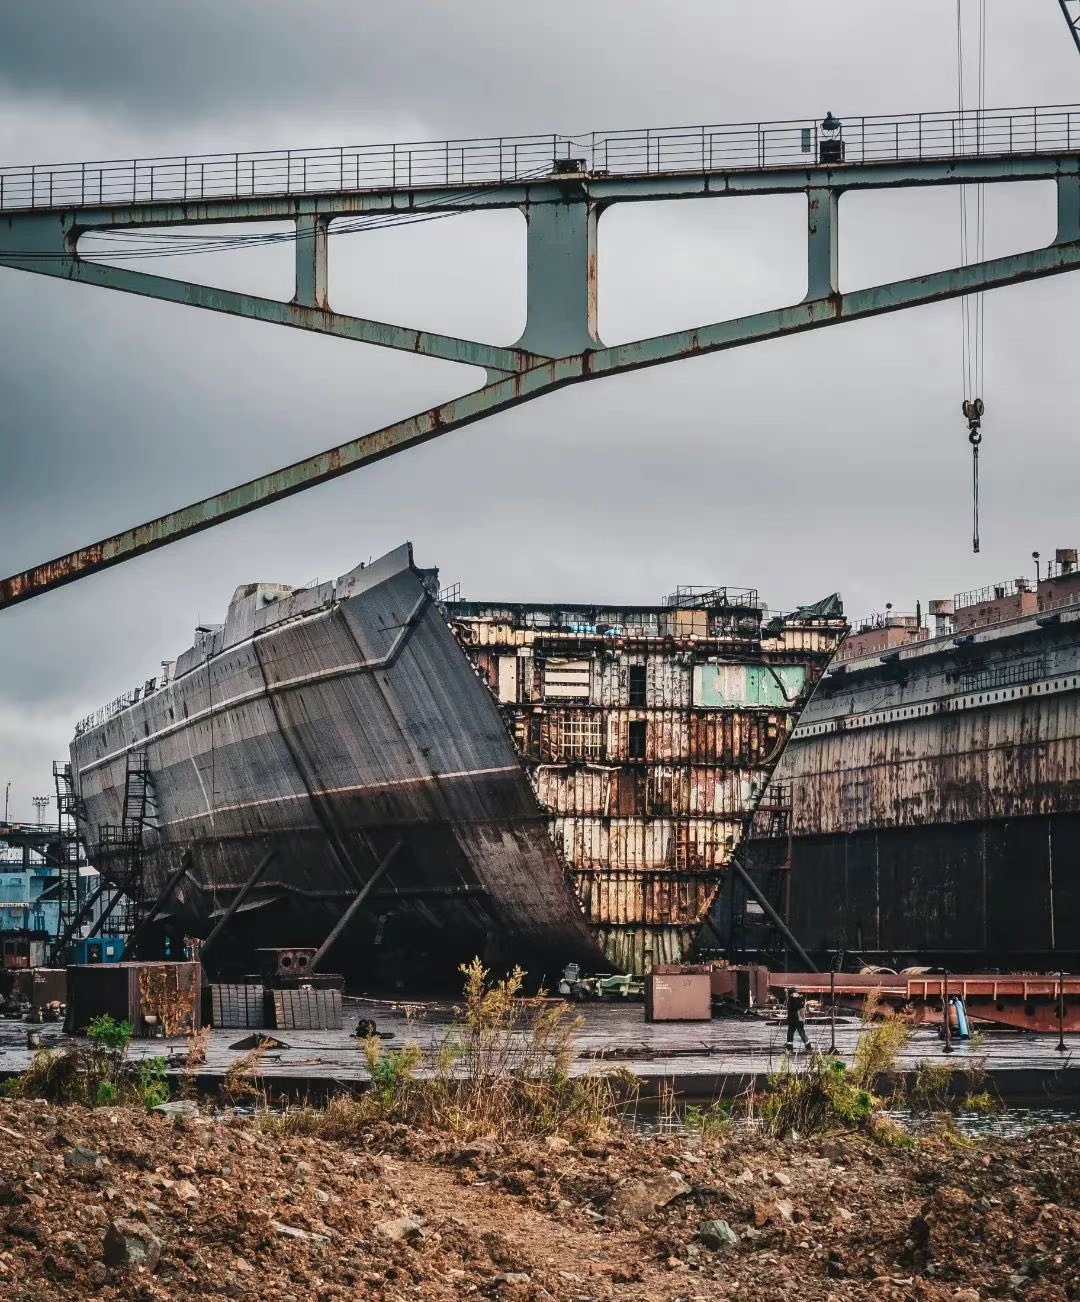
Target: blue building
24, 905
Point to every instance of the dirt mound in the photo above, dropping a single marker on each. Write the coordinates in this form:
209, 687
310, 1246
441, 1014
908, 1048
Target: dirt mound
115, 1204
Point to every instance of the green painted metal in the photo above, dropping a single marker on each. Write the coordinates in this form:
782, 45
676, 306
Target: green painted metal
538, 380
560, 344
732, 686
602, 188
561, 277
823, 242
424, 343
312, 275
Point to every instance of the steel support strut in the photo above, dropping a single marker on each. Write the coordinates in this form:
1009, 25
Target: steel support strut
361, 895
774, 917
1071, 10
312, 286
561, 278
492, 398
238, 899
822, 244
131, 949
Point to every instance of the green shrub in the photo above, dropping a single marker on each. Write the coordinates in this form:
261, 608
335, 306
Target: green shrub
152, 1082
94, 1072
710, 1122
826, 1094
821, 1096
983, 1102
106, 1094
880, 1045
107, 1033
931, 1088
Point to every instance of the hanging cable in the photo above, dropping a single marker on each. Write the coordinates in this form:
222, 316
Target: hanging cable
139, 244
972, 249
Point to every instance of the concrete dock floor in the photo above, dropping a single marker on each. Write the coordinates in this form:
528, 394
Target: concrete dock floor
704, 1059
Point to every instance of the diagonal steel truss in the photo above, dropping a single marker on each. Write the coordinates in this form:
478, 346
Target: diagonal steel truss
1071, 10
45, 212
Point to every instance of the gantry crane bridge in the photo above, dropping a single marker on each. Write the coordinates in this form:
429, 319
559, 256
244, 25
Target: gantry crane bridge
562, 184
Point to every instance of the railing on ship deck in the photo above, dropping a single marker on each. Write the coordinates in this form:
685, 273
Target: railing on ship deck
640, 151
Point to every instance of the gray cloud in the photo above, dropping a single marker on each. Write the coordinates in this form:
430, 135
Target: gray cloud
833, 460
486, 67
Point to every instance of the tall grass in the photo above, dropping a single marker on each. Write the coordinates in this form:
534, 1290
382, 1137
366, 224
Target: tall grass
826, 1094
501, 1071
879, 1046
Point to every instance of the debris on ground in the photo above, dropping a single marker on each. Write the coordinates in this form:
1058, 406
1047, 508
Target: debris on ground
116, 1204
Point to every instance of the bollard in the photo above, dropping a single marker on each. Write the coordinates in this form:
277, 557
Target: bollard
832, 1012
1061, 1047
945, 1010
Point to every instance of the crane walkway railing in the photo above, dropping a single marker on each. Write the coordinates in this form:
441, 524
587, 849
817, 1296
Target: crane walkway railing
481, 163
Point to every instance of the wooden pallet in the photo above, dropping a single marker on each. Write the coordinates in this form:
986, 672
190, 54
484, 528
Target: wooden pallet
238, 1007
307, 1010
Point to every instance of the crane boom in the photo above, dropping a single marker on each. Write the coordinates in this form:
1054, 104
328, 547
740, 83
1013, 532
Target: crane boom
1071, 10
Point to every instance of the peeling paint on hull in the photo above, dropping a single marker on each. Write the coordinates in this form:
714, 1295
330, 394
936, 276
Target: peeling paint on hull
935, 800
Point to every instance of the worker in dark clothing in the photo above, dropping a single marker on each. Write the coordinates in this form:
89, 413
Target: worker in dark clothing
795, 1005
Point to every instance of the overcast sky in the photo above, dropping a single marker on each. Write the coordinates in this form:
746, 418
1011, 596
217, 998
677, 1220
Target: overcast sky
835, 460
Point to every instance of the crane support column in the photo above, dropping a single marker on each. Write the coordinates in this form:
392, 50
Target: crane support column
1068, 204
311, 262
561, 278
822, 244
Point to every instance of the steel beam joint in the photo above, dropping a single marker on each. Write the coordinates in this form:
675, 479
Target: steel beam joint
312, 289
561, 278
823, 243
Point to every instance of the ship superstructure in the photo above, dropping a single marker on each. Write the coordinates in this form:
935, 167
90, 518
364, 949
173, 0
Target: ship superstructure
540, 783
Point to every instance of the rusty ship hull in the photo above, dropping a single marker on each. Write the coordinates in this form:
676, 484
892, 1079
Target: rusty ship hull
932, 791
526, 783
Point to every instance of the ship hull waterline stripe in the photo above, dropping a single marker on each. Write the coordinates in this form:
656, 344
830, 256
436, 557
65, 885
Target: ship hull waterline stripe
352, 789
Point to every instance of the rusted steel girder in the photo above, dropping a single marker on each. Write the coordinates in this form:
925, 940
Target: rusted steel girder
560, 344
544, 378
1022, 1000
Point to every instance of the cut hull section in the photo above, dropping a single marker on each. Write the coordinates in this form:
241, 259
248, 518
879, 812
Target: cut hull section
584, 810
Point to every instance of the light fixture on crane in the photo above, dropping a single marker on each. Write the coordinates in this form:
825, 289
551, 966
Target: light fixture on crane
831, 145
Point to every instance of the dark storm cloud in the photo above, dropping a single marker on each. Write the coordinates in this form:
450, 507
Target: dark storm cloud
485, 66
835, 460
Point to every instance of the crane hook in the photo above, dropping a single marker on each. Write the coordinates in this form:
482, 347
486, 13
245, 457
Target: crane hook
973, 411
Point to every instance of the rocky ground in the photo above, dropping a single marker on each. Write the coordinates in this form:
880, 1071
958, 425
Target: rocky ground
114, 1204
